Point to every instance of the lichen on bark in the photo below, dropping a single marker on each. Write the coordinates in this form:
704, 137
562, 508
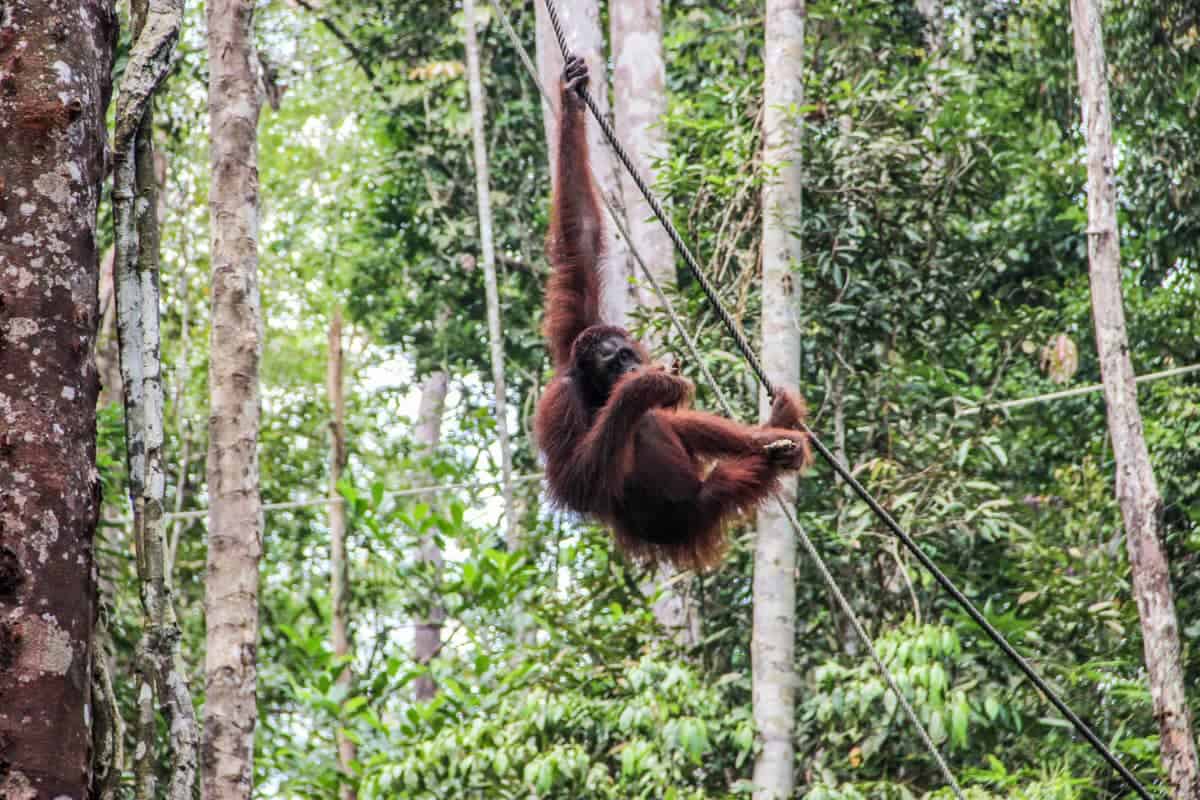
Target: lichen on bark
55, 71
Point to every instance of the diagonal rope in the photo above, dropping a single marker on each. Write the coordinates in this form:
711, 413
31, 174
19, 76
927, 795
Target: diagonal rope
292, 505
1063, 394
694, 351
752, 360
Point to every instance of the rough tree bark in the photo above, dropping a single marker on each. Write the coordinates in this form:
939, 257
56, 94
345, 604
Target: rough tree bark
1137, 491
235, 510
161, 673
773, 640
54, 90
639, 105
338, 566
488, 252
581, 22
427, 635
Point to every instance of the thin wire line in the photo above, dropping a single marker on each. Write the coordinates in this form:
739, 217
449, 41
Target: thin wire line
908, 542
201, 513
690, 344
694, 351
1065, 393
692, 348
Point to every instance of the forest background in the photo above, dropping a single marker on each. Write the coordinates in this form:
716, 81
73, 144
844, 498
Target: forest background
944, 265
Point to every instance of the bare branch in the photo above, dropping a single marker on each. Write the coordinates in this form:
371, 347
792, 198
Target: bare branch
356, 53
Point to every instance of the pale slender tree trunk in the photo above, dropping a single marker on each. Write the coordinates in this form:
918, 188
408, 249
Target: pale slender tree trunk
488, 252
585, 36
108, 730
338, 566
235, 507
772, 643
427, 635
934, 13
161, 673
52, 138
966, 34
549, 66
1137, 491
639, 107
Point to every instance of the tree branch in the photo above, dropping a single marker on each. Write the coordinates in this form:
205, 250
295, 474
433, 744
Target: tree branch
344, 39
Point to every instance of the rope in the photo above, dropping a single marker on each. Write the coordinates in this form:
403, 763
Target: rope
909, 543
202, 513
693, 350
1080, 390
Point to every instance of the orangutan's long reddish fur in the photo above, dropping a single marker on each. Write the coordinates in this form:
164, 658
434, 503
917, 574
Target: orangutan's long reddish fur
637, 462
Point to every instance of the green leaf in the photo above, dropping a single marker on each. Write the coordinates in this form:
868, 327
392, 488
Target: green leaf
937, 727
991, 707
959, 717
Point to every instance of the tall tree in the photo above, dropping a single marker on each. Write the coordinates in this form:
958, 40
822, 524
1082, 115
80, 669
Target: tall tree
487, 249
427, 637
1137, 491
54, 93
585, 36
639, 106
235, 510
773, 639
161, 673
338, 568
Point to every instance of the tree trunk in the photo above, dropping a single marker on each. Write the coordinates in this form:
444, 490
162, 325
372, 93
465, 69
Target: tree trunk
640, 103
773, 645
235, 511
935, 25
427, 636
52, 140
338, 567
1137, 491
585, 37
161, 674
108, 730
488, 252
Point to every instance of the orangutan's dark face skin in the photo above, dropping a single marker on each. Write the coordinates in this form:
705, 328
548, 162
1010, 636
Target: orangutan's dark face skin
613, 357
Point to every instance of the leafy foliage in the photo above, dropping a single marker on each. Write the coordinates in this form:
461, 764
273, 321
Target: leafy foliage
944, 251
